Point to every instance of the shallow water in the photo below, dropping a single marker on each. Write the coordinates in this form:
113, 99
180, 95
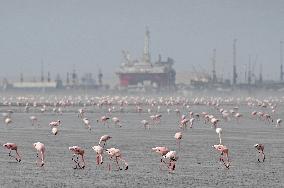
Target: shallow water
197, 166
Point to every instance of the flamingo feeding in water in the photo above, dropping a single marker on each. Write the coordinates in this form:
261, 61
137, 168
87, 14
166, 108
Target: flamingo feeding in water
116, 154
172, 157
104, 139
77, 151
224, 151
161, 151
12, 146
40, 152
99, 154
260, 148
55, 123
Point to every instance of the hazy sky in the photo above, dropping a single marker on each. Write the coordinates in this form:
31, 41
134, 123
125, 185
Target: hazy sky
89, 34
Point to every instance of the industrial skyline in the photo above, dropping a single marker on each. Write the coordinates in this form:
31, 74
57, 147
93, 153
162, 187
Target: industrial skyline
88, 35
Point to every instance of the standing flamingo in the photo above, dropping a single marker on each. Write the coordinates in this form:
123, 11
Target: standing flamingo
99, 152
12, 146
33, 120
87, 123
54, 130
40, 152
77, 151
223, 151
116, 121
260, 148
146, 124
219, 132
178, 137
278, 122
116, 154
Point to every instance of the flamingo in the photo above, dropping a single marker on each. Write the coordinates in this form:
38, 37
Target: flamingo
146, 124
171, 155
87, 123
54, 130
115, 153
278, 122
104, 139
99, 151
12, 146
178, 137
191, 120
260, 148
81, 113
40, 152
116, 121
223, 151
161, 151
104, 119
8, 121
77, 151
219, 132
55, 123
33, 120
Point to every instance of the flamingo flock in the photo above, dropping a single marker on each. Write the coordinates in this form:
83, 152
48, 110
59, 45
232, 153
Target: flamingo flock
149, 109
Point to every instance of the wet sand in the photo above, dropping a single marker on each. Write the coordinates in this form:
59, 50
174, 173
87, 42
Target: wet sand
198, 164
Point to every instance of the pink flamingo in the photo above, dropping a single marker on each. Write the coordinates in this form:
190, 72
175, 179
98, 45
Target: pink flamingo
178, 137
172, 157
77, 151
116, 154
40, 151
87, 123
214, 122
104, 139
191, 120
260, 148
81, 113
161, 151
183, 123
223, 151
55, 123
12, 146
104, 119
99, 152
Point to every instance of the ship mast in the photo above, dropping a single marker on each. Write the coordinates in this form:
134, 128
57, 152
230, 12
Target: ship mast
146, 53
281, 61
234, 63
214, 77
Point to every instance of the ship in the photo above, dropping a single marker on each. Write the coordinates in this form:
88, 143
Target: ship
158, 75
